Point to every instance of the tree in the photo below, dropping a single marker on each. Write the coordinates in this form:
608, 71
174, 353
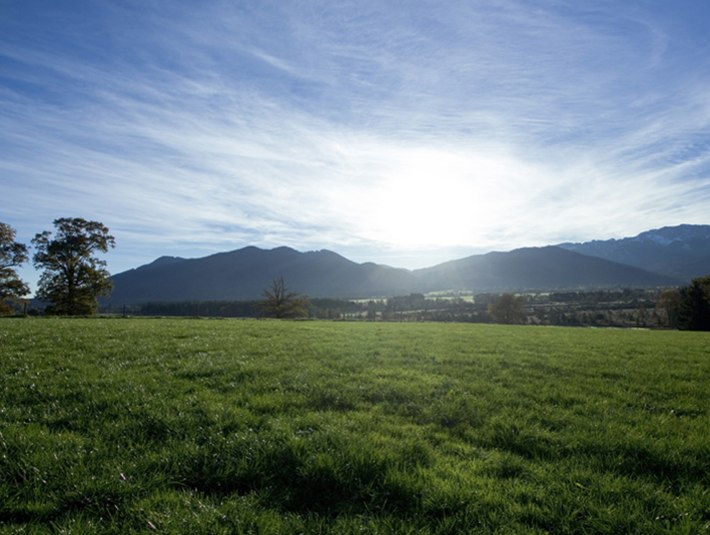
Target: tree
73, 278
12, 255
508, 308
280, 302
670, 301
694, 310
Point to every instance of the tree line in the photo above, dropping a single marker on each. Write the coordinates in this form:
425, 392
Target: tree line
73, 279
685, 308
688, 308
600, 308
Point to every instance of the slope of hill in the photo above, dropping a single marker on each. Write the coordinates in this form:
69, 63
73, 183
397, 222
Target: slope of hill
536, 268
245, 273
681, 252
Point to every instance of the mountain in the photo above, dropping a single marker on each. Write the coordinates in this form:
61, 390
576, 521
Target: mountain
536, 268
681, 252
245, 273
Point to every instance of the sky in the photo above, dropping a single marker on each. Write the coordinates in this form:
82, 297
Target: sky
401, 132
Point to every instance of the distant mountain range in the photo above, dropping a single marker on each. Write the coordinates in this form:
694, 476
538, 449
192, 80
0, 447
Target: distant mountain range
665, 257
681, 252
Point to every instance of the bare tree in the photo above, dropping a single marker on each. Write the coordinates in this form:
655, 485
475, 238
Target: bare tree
280, 302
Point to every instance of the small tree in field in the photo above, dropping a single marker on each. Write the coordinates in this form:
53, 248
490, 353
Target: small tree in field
280, 302
508, 308
670, 302
73, 277
12, 255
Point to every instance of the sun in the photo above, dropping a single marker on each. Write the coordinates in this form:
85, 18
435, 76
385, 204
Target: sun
433, 198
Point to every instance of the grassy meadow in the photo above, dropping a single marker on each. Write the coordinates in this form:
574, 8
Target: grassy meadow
246, 426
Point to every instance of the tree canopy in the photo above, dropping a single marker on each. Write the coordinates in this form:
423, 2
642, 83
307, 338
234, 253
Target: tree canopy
12, 255
280, 302
508, 308
73, 278
694, 307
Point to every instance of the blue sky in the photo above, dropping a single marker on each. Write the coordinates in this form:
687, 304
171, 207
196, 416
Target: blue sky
406, 133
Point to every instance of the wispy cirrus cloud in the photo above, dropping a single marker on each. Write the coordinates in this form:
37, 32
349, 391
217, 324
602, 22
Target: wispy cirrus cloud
402, 133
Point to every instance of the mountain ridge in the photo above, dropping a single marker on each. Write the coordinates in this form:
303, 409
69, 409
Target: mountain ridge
681, 251
540, 268
243, 274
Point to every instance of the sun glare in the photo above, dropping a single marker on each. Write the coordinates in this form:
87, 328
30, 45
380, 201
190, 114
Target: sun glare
435, 198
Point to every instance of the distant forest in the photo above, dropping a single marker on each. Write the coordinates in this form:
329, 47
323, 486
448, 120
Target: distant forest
647, 308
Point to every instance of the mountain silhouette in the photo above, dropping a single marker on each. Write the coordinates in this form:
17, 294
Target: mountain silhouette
536, 268
681, 252
245, 273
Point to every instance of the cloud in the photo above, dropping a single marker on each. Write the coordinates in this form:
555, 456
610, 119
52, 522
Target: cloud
375, 130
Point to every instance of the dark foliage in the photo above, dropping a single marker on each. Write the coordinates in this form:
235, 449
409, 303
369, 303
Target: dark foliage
650, 308
694, 307
12, 255
73, 278
508, 308
221, 309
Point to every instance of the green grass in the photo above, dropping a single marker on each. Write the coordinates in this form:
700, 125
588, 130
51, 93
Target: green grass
228, 426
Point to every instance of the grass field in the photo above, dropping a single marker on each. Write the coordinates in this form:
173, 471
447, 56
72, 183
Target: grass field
229, 426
